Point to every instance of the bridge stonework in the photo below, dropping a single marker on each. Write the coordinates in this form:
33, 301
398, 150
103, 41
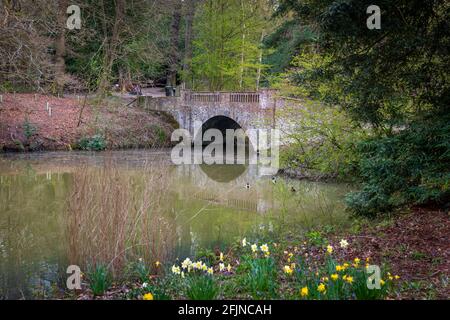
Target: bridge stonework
250, 110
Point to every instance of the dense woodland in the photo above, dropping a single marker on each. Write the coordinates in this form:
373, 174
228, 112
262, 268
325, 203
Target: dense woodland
379, 99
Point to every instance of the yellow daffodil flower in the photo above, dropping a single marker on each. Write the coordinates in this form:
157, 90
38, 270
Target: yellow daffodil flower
148, 296
304, 292
288, 270
321, 288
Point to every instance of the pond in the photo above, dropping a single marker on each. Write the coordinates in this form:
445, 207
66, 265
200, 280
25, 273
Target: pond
63, 208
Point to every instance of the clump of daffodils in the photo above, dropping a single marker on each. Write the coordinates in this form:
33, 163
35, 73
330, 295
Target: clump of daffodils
187, 266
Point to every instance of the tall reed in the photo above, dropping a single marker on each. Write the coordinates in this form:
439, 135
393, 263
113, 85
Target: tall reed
116, 214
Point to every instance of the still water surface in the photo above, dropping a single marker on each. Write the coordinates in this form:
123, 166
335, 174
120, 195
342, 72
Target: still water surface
60, 208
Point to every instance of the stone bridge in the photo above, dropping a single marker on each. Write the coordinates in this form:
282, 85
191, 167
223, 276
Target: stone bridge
220, 110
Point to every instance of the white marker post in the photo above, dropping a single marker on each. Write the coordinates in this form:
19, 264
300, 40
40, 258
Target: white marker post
1, 98
50, 112
46, 108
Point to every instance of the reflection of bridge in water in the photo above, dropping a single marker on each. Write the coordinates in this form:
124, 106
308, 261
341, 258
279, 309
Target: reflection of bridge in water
233, 193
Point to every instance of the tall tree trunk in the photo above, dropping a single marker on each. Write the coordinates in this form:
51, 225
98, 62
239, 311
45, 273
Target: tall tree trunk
174, 60
188, 42
241, 79
258, 74
111, 47
60, 47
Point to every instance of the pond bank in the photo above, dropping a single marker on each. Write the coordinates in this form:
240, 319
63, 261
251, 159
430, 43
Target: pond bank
411, 249
34, 122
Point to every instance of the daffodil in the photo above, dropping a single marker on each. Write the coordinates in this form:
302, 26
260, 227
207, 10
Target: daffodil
210, 271
148, 296
221, 267
157, 264
357, 260
349, 279
344, 243
288, 270
382, 282
145, 285
229, 268
264, 248
176, 270
339, 268
244, 242
304, 292
198, 265
321, 288
186, 264
334, 277
397, 277
221, 257
330, 249
254, 247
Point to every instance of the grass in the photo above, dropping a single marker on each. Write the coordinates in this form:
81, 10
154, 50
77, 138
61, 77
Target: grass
99, 279
115, 217
201, 287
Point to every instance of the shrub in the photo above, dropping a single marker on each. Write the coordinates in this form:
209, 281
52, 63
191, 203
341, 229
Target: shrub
94, 143
99, 279
29, 129
409, 167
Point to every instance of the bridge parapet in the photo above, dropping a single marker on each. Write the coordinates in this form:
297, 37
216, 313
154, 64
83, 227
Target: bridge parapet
263, 99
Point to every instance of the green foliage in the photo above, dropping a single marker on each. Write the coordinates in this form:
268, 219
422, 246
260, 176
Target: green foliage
410, 166
29, 129
141, 270
227, 47
261, 277
394, 81
94, 143
316, 238
99, 279
324, 140
201, 287
206, 255
161, 135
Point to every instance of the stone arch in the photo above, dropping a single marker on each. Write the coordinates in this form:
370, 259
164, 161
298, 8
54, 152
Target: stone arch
223, 122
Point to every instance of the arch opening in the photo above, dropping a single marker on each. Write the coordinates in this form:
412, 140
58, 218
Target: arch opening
223, 123
241, 148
